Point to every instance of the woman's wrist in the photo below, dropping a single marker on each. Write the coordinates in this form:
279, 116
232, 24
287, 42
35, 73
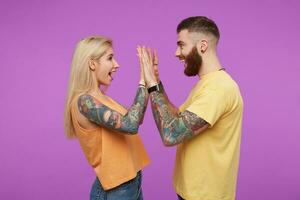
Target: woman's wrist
142, 83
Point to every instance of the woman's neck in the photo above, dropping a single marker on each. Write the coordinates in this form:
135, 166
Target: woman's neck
97, 92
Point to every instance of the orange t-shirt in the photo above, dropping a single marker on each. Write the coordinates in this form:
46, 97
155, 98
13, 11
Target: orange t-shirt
116, 157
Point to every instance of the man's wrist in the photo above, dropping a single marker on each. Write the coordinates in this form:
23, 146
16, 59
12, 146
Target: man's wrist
151, 84
156, 87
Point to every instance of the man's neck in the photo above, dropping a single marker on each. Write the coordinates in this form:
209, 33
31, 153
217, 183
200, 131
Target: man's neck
209, 64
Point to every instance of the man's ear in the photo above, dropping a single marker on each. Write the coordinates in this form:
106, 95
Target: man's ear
92, 65
202, 45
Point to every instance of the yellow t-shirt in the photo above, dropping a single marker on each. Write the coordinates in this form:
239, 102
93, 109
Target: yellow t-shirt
206, 166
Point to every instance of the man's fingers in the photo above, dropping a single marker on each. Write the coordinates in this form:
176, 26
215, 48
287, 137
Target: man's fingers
155, 58
150, 56
155, 61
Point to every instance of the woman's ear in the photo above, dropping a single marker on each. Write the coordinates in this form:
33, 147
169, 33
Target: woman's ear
92, 65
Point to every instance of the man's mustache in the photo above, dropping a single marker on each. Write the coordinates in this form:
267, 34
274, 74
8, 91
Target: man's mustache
181, 57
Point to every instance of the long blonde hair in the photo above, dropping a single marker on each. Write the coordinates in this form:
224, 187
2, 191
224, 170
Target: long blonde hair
81, 80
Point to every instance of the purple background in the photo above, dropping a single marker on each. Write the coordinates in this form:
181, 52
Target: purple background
259, 47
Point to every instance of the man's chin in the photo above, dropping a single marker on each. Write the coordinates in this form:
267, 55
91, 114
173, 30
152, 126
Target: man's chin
190, 75
189, 72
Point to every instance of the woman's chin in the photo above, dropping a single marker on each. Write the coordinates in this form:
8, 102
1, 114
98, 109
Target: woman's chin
106, 83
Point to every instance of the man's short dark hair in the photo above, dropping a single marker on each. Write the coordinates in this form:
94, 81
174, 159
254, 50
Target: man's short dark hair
199, 24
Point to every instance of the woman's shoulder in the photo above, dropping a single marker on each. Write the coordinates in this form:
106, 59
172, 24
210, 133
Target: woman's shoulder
81, 119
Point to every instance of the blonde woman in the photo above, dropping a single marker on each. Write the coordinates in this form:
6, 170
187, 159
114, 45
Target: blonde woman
107, 132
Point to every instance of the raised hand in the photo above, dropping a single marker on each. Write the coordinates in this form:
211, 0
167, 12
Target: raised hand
142, 76
155, 65
146, 61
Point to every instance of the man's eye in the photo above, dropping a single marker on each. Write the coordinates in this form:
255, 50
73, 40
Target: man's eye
110, 58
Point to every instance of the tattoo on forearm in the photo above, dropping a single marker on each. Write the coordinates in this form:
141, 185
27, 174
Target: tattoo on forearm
174, 127
137, 111
107, 117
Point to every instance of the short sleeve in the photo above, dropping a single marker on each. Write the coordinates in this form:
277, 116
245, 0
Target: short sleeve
208, 105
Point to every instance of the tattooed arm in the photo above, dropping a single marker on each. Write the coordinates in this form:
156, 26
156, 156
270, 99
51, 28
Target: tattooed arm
174, 127
104, 116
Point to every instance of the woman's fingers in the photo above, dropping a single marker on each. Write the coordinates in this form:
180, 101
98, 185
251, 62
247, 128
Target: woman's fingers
140, 58
139, 53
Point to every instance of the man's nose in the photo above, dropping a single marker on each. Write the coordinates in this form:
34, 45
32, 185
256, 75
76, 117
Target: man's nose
177, 52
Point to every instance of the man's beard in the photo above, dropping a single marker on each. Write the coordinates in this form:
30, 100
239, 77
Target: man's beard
193, 62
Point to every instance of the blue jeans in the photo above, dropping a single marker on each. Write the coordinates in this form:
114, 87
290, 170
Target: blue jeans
131, 190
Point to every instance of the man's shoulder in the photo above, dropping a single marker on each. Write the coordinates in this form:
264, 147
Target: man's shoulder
223, 86
225, 83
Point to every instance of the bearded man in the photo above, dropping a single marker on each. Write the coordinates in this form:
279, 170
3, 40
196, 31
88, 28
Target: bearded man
206, 129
